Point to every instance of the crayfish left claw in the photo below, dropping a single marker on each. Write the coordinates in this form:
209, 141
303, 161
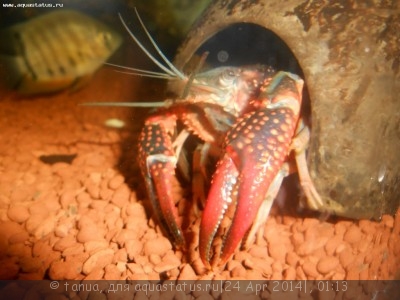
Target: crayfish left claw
220, 196
256, 149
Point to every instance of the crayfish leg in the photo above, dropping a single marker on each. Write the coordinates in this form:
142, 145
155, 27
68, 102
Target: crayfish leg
266, 205
199, 178
203, 156
299, 145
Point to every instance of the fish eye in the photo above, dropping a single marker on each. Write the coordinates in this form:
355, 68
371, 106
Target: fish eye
105, 36
106, 39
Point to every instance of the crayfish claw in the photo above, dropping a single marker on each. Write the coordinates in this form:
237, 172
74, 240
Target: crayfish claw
162, 173
219, 198
158, 164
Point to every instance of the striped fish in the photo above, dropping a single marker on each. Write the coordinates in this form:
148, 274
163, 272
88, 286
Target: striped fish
54, 51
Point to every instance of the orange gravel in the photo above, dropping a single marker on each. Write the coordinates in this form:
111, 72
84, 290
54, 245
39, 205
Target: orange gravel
73, 206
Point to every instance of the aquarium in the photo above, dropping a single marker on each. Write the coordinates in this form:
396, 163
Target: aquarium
222, 141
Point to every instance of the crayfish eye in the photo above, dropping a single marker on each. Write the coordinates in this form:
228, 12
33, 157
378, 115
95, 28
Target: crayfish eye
228, 77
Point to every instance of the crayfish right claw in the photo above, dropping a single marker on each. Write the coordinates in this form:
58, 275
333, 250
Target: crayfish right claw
158, 163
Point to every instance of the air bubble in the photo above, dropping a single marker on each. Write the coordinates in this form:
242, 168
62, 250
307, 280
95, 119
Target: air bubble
222, 56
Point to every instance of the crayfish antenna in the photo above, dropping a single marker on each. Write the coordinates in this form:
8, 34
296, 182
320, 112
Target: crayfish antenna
141, 72
128, 104
196, 70
172, 71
